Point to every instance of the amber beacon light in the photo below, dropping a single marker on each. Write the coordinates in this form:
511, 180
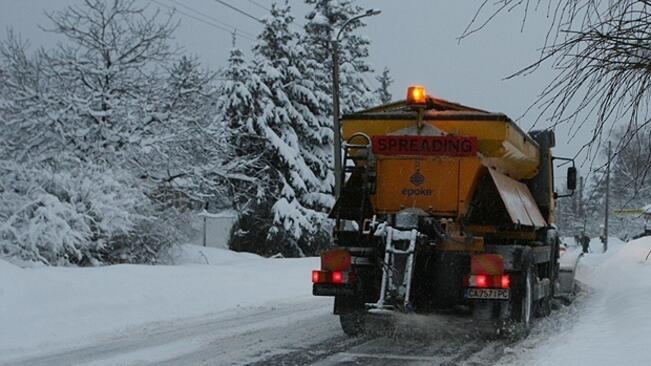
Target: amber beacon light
416, 95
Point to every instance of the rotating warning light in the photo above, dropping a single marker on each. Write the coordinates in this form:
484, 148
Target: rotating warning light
416, 95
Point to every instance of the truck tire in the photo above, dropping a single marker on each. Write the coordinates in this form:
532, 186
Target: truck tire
522, 307
353, 324
544, 307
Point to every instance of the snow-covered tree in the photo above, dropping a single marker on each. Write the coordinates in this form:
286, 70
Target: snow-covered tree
288, 115
63, 217
385, 80
245, 148
183, 153
31, 117
629, 186
104, 68
323, 22
87, 137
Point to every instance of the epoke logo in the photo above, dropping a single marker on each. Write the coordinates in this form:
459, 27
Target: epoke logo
417, 178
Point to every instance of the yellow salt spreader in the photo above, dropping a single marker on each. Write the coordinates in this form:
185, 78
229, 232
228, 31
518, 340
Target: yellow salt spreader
443, 206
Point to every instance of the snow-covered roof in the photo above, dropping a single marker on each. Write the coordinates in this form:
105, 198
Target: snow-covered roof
219, 215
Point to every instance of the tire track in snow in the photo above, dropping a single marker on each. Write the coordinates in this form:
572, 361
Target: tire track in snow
304, 333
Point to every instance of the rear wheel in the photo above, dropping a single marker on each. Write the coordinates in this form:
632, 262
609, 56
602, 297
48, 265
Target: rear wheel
544, 307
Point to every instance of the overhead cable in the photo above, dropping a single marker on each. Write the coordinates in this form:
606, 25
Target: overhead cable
212, 18
259, 5
210, 23
239, 10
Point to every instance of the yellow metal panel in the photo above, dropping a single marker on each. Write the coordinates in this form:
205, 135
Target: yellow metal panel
502, 146
438, 185
518, 200
469, 176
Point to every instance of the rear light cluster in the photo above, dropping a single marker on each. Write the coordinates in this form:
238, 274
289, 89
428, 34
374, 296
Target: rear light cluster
488, 281
332, 277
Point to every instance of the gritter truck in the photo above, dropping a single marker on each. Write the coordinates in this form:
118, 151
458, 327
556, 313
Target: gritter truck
444, 206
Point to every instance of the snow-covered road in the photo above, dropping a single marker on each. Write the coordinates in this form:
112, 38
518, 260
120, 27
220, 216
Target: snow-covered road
246, 320
228, 338
304, 333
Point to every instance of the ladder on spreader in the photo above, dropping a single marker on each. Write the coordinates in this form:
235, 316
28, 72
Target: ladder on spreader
359, 166
397, 269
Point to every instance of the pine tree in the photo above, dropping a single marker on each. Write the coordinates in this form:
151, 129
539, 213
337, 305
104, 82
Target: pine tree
245, 148
288, 116
323, 21
385, 80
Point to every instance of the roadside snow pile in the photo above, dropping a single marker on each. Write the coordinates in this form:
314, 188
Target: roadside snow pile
52, 307
7, 269
612, 325
196, 254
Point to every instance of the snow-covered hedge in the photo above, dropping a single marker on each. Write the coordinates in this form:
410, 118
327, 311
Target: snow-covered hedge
73, 216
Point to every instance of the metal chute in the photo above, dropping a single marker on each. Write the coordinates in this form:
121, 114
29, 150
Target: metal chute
518, 201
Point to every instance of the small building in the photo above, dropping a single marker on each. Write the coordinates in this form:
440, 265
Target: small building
216, 228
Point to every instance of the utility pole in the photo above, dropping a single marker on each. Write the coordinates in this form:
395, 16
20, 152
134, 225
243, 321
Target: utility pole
607, 198
580, 198
335, 99
335, 117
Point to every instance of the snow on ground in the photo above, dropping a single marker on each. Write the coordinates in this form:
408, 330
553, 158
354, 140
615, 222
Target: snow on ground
610, 324
48, 308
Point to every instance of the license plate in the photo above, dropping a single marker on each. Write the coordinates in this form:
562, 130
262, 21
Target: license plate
487, 293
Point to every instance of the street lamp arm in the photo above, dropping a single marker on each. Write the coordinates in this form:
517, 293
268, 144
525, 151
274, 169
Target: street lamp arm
335, 100
368, 13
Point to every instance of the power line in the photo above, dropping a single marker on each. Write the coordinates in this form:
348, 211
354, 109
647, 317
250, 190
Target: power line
214, 25
239, 10
249, 15
259, 5
213, 18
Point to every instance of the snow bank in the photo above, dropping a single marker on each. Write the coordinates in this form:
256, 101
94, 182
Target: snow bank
7, 269
196, 254
611, 325
49, 307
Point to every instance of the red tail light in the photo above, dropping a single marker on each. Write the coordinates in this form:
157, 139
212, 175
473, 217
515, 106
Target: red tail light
481, 281
487, 281
506, 281
316, 277
337, 278
334, 277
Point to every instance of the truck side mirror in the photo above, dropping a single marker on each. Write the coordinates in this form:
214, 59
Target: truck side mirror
571, 178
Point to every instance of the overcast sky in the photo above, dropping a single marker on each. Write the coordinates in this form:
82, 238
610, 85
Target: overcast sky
416, 39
